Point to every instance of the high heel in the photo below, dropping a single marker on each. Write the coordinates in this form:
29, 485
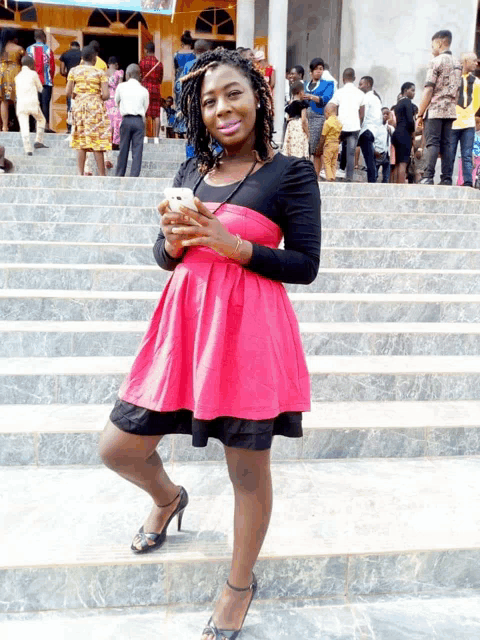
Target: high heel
158, 539
225, 634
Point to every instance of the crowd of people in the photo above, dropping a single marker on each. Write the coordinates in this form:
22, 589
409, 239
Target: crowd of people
328, 124
333, 126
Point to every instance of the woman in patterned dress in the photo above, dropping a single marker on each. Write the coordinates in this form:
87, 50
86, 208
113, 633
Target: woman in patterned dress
115, 77
152, 76
180, 59
10, 55
91, 125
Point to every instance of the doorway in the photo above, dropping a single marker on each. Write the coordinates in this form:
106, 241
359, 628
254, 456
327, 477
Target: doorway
25, 37
124, 48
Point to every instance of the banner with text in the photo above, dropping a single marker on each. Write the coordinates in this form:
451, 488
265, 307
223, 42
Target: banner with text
163, 7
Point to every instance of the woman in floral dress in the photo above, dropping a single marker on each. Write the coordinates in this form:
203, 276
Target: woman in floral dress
10, 55
91, 125
115, 77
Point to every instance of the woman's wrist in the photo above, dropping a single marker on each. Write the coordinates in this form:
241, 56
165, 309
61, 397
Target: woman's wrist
238, 249
173, 253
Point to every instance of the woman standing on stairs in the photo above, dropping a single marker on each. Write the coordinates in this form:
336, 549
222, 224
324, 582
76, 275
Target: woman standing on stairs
91, 125
223, 356
10, 55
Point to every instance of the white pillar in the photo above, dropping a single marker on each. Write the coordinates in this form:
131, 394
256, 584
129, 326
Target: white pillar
245, 23
277, 57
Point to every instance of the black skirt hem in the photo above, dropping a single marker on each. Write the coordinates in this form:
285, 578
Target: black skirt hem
256, 435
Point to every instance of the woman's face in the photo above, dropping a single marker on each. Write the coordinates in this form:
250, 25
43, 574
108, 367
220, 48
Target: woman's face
410, 93
317, 73
228, 105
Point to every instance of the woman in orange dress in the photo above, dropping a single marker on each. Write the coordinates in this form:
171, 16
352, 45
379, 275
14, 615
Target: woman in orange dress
10, 55
91, 129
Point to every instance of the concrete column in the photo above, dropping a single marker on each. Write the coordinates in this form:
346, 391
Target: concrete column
245, 23
277, 57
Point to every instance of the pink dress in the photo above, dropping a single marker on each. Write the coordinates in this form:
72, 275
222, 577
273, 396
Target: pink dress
223, 341
112, 109
222, 356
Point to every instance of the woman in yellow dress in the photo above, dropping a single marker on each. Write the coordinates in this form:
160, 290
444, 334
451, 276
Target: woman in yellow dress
91, 126
10, 55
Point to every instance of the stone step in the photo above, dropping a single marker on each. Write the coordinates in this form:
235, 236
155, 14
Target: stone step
116, 338
103, 277
13, 138
59, 434
95, 380
338, 618
128, 306
332, 257
344, 528
148, 215
61, 189
147, 233
56, 164
152, 172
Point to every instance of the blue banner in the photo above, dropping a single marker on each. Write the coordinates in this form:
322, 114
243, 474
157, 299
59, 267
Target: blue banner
163, 7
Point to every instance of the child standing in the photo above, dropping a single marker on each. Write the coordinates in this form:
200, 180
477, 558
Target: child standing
27, 87
170, 116
476, 158
330, 141
297, 135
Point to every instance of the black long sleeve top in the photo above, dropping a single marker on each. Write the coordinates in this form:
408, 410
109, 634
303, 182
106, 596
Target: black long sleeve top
285, 191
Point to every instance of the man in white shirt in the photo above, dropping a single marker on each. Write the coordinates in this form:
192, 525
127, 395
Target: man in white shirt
351, 111
27, 88
132, 99
372, 121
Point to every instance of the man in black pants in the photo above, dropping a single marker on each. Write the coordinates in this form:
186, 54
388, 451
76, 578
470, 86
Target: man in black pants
439, 103
132, 100
372, 121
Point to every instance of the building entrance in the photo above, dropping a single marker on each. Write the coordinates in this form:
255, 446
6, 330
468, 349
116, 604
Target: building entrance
123, 47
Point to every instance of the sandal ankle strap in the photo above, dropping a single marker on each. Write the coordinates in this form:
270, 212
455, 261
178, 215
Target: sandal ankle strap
162, 506
241, 589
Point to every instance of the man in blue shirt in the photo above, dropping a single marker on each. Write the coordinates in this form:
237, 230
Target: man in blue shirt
319, 92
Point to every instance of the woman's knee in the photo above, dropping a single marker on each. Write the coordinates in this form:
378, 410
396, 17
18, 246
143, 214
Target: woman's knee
248, 470
119, 449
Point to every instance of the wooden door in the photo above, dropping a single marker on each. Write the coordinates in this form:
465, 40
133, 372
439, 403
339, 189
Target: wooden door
144, 36
59, 41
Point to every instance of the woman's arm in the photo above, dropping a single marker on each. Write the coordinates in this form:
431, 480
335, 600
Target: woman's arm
305, 123
70, 87
299, 198
105, 91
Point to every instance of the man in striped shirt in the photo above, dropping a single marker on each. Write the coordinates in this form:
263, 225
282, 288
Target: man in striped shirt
45, 67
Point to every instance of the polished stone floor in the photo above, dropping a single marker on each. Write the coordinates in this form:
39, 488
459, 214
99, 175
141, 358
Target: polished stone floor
408, 618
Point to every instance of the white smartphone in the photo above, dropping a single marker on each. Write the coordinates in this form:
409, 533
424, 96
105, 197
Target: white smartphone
181, 197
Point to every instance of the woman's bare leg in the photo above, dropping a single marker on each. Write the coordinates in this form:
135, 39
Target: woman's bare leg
156, 127
317, 163
135, 458
4, 114
401, 173
100, 160
81, 157
252, 485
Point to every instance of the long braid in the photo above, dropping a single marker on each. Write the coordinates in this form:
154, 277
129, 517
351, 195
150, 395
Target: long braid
190, 105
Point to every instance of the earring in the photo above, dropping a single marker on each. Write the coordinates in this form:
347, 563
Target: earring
258, 106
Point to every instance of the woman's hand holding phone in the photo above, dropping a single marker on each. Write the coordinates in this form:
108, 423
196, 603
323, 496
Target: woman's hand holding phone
180, 233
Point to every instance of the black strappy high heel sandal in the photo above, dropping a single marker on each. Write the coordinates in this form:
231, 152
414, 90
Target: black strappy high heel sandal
225, 634
159, 538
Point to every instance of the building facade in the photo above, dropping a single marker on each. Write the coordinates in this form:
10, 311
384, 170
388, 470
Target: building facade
389, 41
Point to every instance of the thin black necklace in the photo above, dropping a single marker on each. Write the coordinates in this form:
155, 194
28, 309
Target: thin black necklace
230, 196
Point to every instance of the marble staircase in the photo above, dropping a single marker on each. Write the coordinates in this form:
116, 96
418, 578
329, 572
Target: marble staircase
375, 530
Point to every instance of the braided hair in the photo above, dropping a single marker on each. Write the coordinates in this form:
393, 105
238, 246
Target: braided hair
190, 105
